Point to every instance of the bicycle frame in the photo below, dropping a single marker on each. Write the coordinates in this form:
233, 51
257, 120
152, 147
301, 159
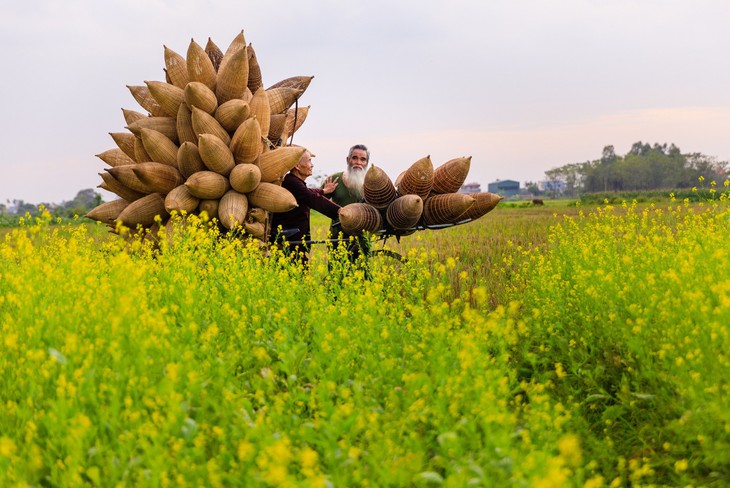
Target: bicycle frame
382, 234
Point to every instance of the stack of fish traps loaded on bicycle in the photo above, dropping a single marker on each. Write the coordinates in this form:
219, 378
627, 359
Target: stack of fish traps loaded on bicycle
421, 197
212, 139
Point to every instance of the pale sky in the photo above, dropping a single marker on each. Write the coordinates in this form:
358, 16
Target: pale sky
521, 86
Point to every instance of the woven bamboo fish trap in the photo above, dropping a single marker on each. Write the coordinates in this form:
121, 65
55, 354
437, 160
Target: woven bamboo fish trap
165, 125
245, 178
189, 161
131, 116
281, 98
417, 179
209, 207
199, 95
237, 44
143, 211
204, 123
276, 163
232, 209
297, 82
444, 209
180, 199
256, 215
295, 117
142, 95
255, 79
450, 176
158, 177
247, 96
272, 198
110, 183
256, 229
125, 142
232, 113
115, 157
216, 154
378, 190
159, 147
184, 126
108, 212
168, 97
277, 124
246, 142
126, 176
176, 68
200, 67
261, 110
207, 185
232, 79
484, 203
140, 153
357, 218
405, 212
214, 53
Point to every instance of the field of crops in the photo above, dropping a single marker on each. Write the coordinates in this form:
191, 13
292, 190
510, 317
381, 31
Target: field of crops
555, 346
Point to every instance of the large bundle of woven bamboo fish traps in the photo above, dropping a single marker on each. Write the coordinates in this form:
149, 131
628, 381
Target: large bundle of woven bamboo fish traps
420, 198
211, 139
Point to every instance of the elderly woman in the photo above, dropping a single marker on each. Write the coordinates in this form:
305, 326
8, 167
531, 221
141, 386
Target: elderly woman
307, 198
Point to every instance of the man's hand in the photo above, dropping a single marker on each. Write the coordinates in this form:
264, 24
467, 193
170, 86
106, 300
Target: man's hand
329, 185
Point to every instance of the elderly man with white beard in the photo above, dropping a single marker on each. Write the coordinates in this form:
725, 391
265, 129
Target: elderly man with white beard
348, 186
350, 191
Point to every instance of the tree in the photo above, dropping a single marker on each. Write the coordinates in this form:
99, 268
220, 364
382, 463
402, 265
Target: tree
608, 155
83, 202
644, 167
532, 188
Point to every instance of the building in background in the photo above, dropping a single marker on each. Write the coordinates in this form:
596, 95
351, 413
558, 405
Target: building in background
552, 186
470, 188
504, 188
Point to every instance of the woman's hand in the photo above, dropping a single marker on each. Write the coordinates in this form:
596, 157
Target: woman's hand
329, 185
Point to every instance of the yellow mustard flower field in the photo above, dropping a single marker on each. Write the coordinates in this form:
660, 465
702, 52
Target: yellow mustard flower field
582, 347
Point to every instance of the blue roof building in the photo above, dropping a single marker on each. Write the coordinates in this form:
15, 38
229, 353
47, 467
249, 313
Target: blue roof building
505, 188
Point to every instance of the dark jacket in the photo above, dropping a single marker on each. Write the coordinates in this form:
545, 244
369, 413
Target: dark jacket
307, 198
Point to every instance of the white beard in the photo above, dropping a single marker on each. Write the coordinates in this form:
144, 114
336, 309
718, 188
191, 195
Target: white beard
355, 181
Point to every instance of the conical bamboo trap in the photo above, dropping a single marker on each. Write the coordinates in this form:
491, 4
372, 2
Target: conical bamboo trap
210, 139
422, 197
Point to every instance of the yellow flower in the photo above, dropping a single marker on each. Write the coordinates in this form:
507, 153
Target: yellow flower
280, 451
7, 447
308, 458
11, 341
595, 482
681, 465
245, 450
260, 354
173, 370
569, 447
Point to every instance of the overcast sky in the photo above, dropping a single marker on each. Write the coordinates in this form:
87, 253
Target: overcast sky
521, 86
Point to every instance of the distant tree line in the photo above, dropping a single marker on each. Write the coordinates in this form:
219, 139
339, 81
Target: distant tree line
84, 201
644, 167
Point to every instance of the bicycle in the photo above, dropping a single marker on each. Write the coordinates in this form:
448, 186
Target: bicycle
381, 236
